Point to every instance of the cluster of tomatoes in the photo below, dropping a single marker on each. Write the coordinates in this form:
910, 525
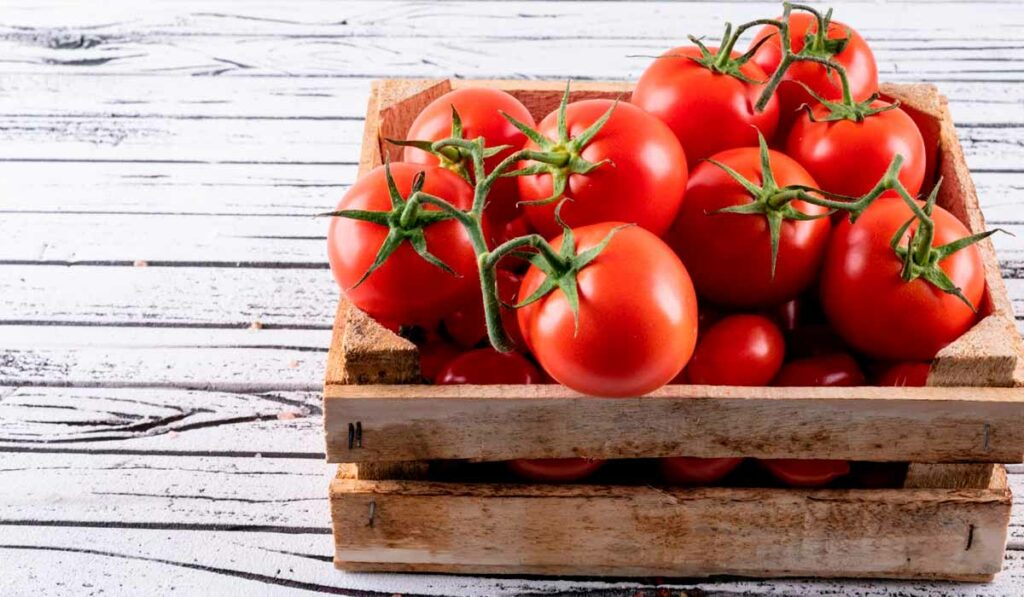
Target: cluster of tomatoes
744, 219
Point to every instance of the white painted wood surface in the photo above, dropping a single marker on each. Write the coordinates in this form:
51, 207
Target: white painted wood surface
150, 440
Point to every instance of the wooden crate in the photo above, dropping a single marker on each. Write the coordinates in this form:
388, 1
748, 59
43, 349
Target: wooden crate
948, 520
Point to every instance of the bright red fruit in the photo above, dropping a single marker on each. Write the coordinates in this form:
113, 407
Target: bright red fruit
708, 111
826, 370
406, 288
906, 374
434, 356
848, 157
728, 254
870, 305
487, 366
468, 327
696, 471
555, 470
643, 183
637, 316
738, 350
480, 110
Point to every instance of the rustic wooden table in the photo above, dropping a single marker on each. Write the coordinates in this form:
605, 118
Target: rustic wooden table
165, 303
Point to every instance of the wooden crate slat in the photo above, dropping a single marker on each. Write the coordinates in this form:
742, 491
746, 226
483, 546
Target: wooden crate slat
647, 531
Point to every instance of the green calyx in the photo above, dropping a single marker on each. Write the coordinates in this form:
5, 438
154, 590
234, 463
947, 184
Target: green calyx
405, 222
721, 61
559, 157
852, 110
817, 43
560, 268
919, 258
769, 200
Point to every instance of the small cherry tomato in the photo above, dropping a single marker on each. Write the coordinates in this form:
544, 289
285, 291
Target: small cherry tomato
480, 110
828, 148
486, 366
468, 327
637, 318
738, 350
406, 288
856, 57
806, 473
870, 305
434, 356
643, 183
906, 374
708, 111
826, 370
696, 471
729, 254
555, 470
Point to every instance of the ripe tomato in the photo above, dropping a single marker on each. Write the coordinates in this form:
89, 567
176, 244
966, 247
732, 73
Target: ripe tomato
434, 355
643, 184
708, 111
856, 57
825, 149
487, 366
739, 350
906, 374
806, 473
729, 255
873, 309
637, 316
555, 470
406, 288
826, 370
480, 111
696, 471
468, 327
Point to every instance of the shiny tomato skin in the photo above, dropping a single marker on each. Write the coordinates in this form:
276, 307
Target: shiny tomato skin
836, 370
406, 289
709, 112
806, 473
480, 110
874, 310
696, 471
637, 316
644, 184
434, 356
738, 350
467, 327
486, 366
555, 470
849, 157
906, 374
857, 58
729, 255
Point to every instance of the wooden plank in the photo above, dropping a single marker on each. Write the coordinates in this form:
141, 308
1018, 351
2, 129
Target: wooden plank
194, 296
646, 531
229, 359
154, 421
502, 422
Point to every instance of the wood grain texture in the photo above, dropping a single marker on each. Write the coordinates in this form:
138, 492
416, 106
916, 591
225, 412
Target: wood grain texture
647, 531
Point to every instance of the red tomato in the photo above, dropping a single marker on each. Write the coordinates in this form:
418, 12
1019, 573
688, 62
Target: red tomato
806, 473
643, 184
825, 149
468, 327
554, 470
739, 350
517, 227
729, 255
826, 370
708, 111
906, 374
434, 356
696, 471
487, 366
637, 316
856, 58
873, 309
480, 110
406, 288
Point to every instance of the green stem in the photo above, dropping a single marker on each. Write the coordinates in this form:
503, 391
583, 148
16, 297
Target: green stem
533, 241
